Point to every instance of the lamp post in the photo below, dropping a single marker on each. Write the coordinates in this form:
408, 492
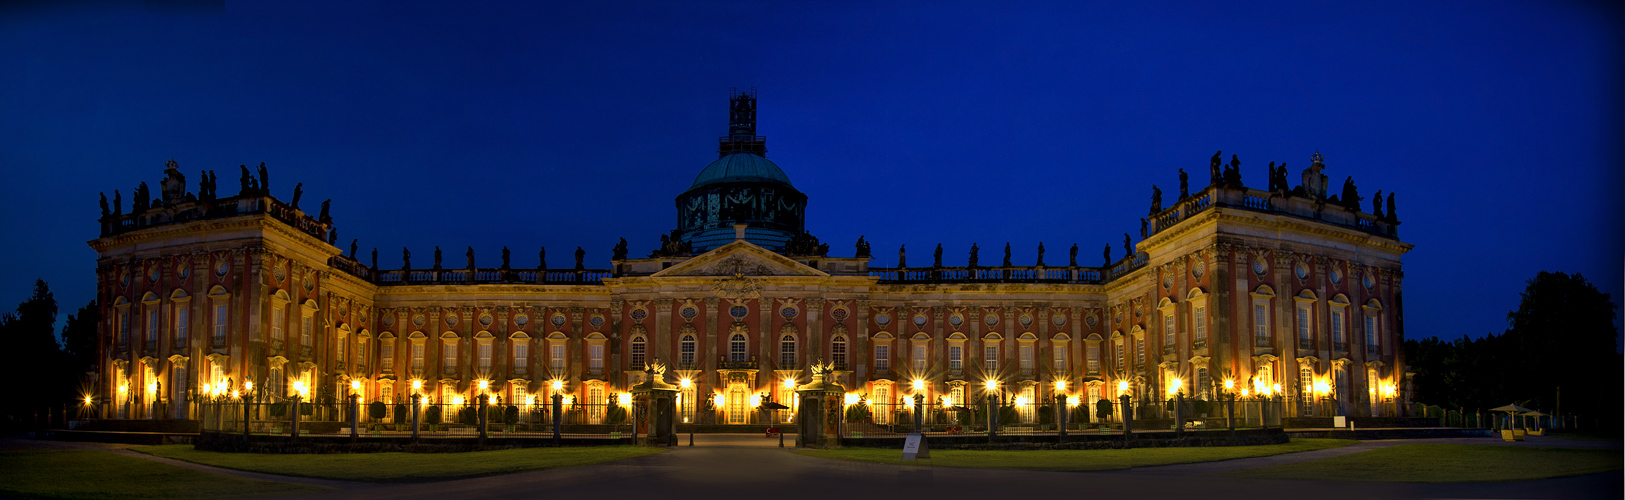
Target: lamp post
992, 408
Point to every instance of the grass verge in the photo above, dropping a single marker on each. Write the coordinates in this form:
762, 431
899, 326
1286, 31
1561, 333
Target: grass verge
404, 467
1445, 463
1075, 460
71, 474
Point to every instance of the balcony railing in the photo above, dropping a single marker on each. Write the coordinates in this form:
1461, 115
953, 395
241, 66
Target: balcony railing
1261, 342
1305, 344
1340, 346
1013, 274
493, 276
1264, 201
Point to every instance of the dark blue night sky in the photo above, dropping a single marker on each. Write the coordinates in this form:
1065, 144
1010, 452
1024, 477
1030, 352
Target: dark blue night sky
1498, 124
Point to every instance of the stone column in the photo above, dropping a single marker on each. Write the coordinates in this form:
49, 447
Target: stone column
862, 356
815, 333
715, 316
660, 336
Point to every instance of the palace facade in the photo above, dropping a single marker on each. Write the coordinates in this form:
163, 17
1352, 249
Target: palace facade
1285, 293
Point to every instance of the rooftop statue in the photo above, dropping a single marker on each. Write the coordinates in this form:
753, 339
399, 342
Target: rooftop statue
105, 212
143, 199
298, 192
374, 257
437, 257
470, 256
1156, 199
1072, 256
1232, 173
804, 243
249, 186
1351, 194
1314, 182
1213, 166
541, 258
902, 256
118, 203
265, 180
936, 257
1040, 254
862, 249
1007, 254
1376, 205
581, 257
1393, 217
324, 218
206, 185
619, 252
504, 257
1106, 256
974, 250
406, 259
1184, 185
1144, 228
1128, 246
173, 187
353, 243
333, 235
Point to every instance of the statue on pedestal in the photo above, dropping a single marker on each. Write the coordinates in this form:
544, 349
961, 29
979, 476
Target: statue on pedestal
1072, 256
936, 257
974, 251
406, 259
437, 257
1040, 254
1007, 255
1184, 185
504, 258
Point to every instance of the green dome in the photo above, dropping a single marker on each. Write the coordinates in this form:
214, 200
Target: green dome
740, 167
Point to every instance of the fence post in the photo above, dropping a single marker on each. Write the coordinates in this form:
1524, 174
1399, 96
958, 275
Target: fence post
295, 426
483, 407
558, 411
354, 413
1230, 413
1179, 414
417, 409
1060, 419
246, 420
1128, 417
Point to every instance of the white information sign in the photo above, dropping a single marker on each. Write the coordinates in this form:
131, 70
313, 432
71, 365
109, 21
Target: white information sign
915, 447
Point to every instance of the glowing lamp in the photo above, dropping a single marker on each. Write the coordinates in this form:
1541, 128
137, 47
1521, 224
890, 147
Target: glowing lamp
355, 385
248, 385
558, 385
992, 385
718, 400
152, 387
1073, 401
1174, 385
568, 400
234, 394
1321, 387
417, 385
123, 388
530, 399
851, 398
684, 383
1060, 385
87, 401
1122, 386
457, 400
1229, 384
919, 385
789, 383
1275, 388
1021, 400
1244, 393
755, 400
625, 398
485, 384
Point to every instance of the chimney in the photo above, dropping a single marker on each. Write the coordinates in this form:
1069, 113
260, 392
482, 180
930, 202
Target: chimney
739, 231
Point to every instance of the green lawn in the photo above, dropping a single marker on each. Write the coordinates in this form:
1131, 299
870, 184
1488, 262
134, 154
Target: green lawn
100, 474
404, 467
1446, 463
1075, 460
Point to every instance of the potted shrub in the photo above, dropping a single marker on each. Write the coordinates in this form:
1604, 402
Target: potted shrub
1046, 417
858, 412
401, 417
510, 418
432, 416
1008, 415
1103, 410
279, 410
615, 414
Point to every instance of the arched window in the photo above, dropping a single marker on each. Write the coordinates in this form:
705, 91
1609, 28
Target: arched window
787, 351
639, 347
685, 350
736, 348
837, 351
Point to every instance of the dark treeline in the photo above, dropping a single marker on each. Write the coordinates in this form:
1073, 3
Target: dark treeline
1559, 353
42, 374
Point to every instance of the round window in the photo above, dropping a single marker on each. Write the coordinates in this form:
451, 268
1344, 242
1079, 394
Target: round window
956, 320
689, 312
1337, 275
1301, 270
521, 320
596, 321
839, 314
558, 320
883, 319
451, 319
1058, 319
639, 313
485, 320
991, 319
738, 311
222, 268
1259, 267
1091, 321
788, 312
388, 320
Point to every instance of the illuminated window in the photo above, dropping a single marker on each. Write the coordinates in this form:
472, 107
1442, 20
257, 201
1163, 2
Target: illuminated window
882, 358
1303, 328
736, 348
956, 357
1094, 357
557, 361
639, 349
1261, 324
920, 359
1201, 325
1168, 333
417, 356
180, 324
221, 319
278, 384
596, 403
485, 355
448, 354
990, 358
956, 396
596, 357
123, 327
1139, 350
787, 352
278, 317
338, 348
306, 327
686, 350
361, 352
1058, 357
1202, 384
521, 356
1337, 329
518, 393
1119, 348
1371, 343
151, 334
1025, 358
837, 352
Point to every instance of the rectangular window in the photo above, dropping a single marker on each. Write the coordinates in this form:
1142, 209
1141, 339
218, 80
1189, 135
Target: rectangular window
837, 353
278, 384
339, 350
558, 357
1058, 356
1139, 350
519, 395
1093, 395
1094, 358
787, 353
386, 355
882, 358
919, 357
639, 350
221, 319
956, 357
1303, 328
956, 396
990, 358
1201, 325
417, 356
485, 355
521, 356
1119, 349
307, 327
278, 317
180, 325
1337, 326
1371, 345
1168, 332
123, 327
1026, 359
686, 354
596, 358
152, 325
361, 353
448, 354
1261, 325
1202, 384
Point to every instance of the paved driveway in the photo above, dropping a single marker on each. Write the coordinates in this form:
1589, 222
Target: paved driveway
754, 467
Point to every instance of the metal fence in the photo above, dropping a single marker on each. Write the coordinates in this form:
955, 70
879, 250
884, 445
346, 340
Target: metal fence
575, 420
871, 419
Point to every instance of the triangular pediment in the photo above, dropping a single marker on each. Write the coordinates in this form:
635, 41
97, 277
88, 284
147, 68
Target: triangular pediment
741, 258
